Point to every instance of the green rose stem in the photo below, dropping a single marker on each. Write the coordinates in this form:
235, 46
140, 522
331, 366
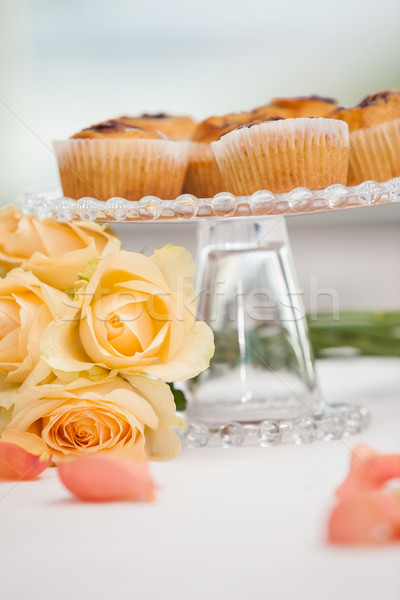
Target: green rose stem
370, 333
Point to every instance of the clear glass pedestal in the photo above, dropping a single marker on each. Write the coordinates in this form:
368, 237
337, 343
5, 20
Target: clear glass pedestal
261, 385
262, 367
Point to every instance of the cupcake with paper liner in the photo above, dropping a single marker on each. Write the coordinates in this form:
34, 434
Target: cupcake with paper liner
374, 126
175, 127
203, 178
283, 154
116, 159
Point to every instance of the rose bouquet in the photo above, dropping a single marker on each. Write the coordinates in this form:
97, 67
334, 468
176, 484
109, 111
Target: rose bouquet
90, 336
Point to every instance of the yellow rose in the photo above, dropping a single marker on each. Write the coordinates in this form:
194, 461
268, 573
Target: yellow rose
137, 316
55, 252
86, 417
27, 306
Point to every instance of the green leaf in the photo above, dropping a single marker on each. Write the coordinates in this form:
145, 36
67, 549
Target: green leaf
89, 271
179, 397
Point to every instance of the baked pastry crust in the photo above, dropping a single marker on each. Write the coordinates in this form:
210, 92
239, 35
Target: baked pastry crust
114, 128
211, 129
376, 108
174, 127
297, 107
305, 106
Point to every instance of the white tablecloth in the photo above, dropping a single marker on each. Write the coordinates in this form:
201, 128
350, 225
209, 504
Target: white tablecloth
227, 523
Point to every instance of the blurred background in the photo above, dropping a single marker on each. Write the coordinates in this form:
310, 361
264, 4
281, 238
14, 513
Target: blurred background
66, 65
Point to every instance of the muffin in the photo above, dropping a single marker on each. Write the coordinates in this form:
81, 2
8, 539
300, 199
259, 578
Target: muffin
174, 127
116, 159
374, 126
283, 154
304, 106
269, 112
203, 178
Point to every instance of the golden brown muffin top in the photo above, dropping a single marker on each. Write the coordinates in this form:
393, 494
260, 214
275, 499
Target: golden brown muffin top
374, 109
251, 124
304, 106
174, 127
114, 128
267, 112
213, 128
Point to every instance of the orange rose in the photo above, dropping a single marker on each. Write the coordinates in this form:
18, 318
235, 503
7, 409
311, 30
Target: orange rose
27, 306
85, 417
54, 252
137, 316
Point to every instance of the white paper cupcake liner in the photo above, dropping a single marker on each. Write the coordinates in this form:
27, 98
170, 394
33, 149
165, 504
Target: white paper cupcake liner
103, 168
375, 153
285, 154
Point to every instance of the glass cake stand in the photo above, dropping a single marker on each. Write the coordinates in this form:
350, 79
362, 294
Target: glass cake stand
260, 387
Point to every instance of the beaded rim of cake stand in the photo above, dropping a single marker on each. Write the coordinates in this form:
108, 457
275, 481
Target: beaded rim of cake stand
335, 422
46, 202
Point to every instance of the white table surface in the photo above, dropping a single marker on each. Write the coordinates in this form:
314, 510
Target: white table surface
227, 523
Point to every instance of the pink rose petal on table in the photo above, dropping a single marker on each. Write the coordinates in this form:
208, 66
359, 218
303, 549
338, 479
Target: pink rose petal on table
369, 470
386, 466
373, 518
107, 479
361, 477
23, 456
369, 511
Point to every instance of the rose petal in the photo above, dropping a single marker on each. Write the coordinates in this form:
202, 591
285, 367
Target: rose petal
369, 470
192, 358
105, 479
23, 456
178, 268
62, 271
370, 519
162, 442
361, 477
28, 441
386, 466
106, 241
61, 347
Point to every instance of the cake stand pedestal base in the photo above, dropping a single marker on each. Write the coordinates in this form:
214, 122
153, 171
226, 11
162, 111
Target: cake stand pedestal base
261, 384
